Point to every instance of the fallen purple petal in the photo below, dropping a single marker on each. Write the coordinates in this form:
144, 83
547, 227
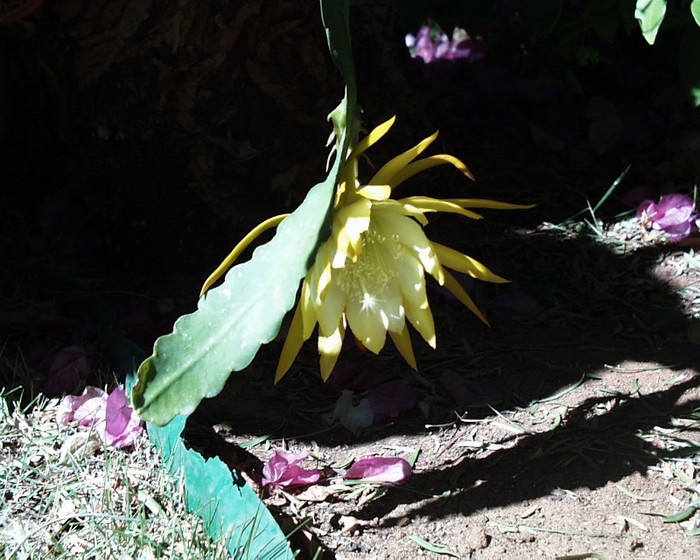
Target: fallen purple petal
283, 470
116, 422
92, 412
122, 423
386, 470
390, 400
117, 414
65, 412
674, 214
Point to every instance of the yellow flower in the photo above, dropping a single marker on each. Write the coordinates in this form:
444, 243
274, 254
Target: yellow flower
369, 275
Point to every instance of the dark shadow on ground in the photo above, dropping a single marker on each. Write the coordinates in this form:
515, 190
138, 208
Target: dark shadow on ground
589, 450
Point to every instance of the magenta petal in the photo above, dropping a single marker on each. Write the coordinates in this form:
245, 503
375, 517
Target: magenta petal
122, 424
674, 214
387, 470
673, 201
647, 207
295, 475
92, 411
678, 231
118, 413
282, 470
65, 412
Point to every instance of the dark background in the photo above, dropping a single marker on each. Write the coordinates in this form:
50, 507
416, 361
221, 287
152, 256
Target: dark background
139, 140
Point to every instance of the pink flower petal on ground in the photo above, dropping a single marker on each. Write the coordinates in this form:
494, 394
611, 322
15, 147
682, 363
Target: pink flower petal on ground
110, 416
646, 208
122, 424
389, 400
65, 412
92, 411
674, 214
283, 470
678, 215
387, 470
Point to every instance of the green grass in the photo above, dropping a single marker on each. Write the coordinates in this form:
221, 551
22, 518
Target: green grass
91, 502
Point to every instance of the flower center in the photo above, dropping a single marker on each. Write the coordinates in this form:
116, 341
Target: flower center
369, 276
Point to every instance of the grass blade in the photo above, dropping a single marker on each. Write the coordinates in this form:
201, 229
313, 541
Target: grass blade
431, 547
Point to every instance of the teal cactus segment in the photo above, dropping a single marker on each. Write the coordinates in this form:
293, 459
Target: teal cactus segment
231, 510
228, 507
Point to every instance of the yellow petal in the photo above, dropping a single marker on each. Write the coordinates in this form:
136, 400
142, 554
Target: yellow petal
349, 223
402, 341
396, 207
292, 345
411, 235
485, 203
307, 306
410, 279
372, 138
238, 249
375, 192
329, 349
428, 204
426, 163
320, 274
366, 322
452, 284
464, 263
391, 308
422, 319
386, 175
330, 313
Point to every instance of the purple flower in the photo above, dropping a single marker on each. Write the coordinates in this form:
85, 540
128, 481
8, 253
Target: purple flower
110, 415
283, 470
122, 424
674, 214
387, 470
74, 408
430, 46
